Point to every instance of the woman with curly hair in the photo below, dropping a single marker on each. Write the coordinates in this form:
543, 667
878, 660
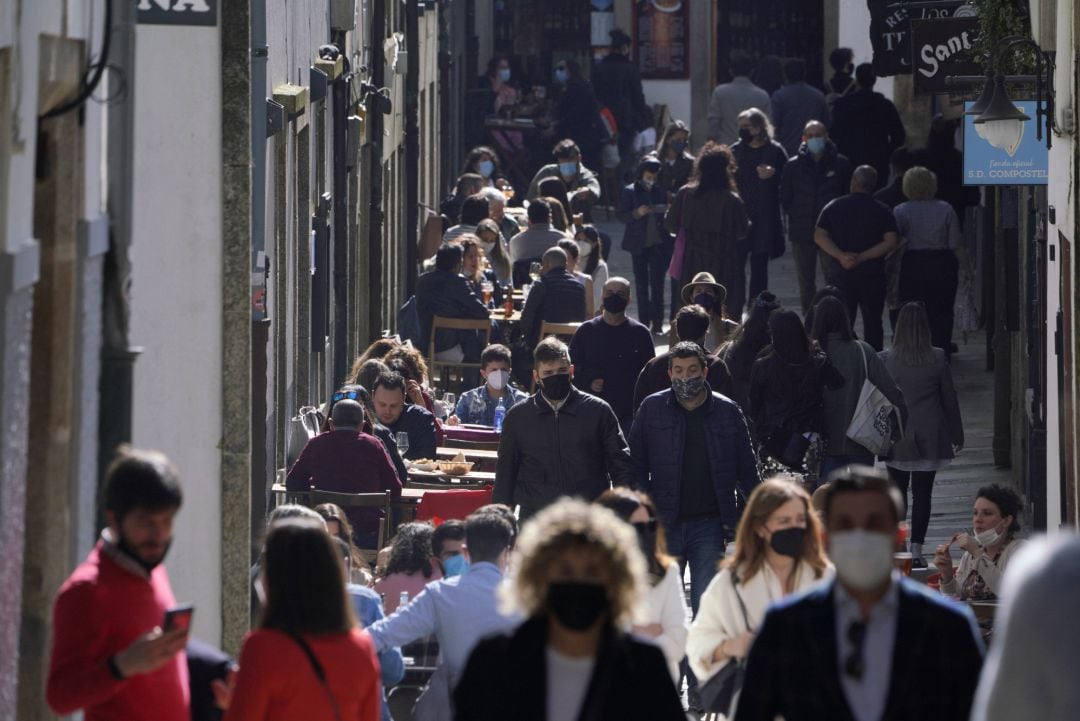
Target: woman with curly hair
580, 575
338, 526
410, 566
409, 362
376, 351
713, 220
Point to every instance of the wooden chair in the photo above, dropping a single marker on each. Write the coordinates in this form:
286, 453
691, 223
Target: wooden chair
558, 329
471, 445
381, 500
439, 322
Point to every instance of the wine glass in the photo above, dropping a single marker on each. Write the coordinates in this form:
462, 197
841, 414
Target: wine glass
450, 401
534, 270
402, 438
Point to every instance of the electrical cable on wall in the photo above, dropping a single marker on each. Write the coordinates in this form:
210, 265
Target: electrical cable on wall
95, 71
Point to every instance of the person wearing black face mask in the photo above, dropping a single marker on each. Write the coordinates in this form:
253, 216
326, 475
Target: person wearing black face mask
778, 551
610, 351
559, 441
641, 207
579, 578
703, 290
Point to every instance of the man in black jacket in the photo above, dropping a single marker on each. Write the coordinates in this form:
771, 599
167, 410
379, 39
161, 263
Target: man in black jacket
866, 125
618, 87
445, 292
816, 175
559, 442
388, 394
557, 297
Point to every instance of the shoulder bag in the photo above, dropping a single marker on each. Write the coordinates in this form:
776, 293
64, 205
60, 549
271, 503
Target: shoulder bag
871, 426
319, 672
675, 267
719, 692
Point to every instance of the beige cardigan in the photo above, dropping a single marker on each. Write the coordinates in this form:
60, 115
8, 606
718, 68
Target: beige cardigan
990, 572
720, 617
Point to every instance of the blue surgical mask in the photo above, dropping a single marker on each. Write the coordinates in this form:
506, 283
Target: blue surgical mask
815, 145
561, 75
456, 565
568, 170
504, 74
486, 168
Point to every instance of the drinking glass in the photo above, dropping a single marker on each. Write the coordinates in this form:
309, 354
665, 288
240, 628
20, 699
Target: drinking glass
402, 439
486, 288
534, 271
451, 403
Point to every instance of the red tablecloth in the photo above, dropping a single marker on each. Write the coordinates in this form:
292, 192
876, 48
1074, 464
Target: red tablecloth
476, 435
444, 505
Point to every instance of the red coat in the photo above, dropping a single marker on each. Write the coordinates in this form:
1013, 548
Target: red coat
276, 681
107, 603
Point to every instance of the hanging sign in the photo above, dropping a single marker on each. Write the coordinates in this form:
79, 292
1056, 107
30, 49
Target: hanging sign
890, 29
662, 39
176, 12
1023, 161
940, 48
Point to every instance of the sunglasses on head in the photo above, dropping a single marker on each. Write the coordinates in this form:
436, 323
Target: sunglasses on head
342, 395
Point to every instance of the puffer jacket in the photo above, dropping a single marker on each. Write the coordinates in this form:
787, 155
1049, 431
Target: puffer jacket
807, 186
656, 446
544, 454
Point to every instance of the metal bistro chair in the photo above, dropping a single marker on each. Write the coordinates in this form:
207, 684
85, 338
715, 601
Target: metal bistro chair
381, 500
439, 322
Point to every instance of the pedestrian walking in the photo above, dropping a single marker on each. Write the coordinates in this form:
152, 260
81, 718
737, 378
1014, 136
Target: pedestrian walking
866, 125
787, 383
617, 81
590, 245
574, 168
642, 205
759, 162
610, 350
778, 551
859, 647
746, 345
580, 575
559, 442
712, 217
944, 159
483, 161
856, 362
934, 433
842, 83
731, 98
704, 291
691, 324
307, 658
796, 104
933, 249
577, 113
816, 175
661, 612
855, 233
113, 655
692, 454
677, 165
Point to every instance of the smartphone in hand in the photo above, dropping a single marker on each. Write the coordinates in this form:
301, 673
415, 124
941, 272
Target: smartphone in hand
178, 617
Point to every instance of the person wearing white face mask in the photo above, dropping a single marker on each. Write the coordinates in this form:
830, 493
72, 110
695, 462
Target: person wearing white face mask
478, 405
861, 647
987, 549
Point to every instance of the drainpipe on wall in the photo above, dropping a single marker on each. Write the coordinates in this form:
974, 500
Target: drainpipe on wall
340, 93
375, 211
412, 143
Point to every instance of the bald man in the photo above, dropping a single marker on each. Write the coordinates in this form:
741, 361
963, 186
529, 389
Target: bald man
557, 297
816, 175
610, 350
856, 232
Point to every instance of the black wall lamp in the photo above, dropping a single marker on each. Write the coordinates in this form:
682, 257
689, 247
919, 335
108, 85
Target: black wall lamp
998, 120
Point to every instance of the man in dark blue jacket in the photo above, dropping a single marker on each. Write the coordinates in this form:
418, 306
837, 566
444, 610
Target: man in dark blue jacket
445, 292
557, 297
692, 453
861, 646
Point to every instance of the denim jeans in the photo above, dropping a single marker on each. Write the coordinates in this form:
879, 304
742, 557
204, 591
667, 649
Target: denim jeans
699, 543
832, 463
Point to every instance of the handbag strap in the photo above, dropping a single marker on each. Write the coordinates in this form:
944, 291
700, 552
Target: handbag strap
742, 606
319, 672
862, 354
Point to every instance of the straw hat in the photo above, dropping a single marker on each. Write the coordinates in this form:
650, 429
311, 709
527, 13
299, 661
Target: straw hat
704, 279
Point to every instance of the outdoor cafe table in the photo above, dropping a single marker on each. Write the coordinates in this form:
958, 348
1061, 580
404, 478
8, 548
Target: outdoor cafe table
499, 314
470, 479
445, 454
471, 434
410, 497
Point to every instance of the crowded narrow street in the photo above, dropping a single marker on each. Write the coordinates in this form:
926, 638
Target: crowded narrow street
554, 360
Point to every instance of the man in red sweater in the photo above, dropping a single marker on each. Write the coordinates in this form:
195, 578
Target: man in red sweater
344, 460
110, 656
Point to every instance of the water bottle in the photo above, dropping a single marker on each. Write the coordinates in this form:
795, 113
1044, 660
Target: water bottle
500, 414
403, 599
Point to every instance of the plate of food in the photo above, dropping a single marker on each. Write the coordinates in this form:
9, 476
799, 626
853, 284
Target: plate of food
427, 465
456, 466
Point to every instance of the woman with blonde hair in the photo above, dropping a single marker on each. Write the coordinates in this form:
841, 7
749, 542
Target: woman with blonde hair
778, 551
662, 611
579, 578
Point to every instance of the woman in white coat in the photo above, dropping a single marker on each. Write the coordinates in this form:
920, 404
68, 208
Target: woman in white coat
662, 612
778, 551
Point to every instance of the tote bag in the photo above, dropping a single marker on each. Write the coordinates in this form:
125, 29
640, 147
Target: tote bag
871, 426
719, 693
675, 267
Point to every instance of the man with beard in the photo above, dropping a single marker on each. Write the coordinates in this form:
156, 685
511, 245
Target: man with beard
558, 442
110, 656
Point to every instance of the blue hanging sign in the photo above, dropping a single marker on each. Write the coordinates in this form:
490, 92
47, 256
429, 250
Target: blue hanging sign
1023, 161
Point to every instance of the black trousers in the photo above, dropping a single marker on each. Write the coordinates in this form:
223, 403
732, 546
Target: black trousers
759, 276
650, 269
864, 292
931, 277
922, 488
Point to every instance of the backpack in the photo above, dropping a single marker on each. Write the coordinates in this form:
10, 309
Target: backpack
408, 322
